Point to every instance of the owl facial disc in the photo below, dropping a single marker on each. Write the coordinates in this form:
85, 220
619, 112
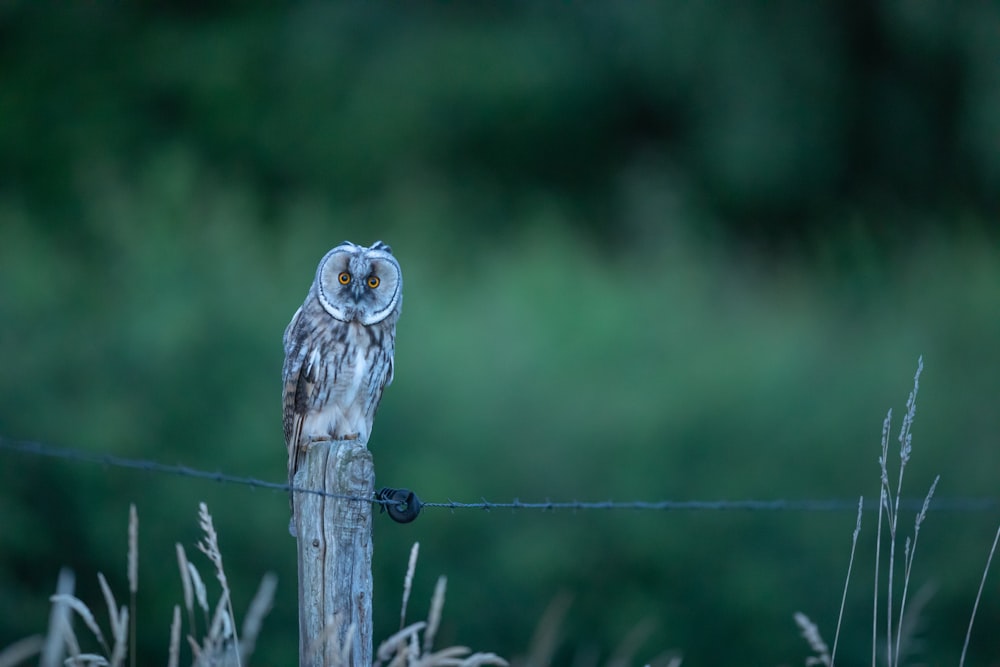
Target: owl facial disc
358, 284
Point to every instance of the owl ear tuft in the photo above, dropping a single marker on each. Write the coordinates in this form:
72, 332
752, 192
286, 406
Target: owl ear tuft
378, 245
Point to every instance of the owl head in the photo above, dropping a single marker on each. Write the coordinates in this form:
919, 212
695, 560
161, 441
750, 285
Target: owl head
354, 283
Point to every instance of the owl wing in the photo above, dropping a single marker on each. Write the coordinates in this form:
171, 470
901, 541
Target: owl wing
298, 383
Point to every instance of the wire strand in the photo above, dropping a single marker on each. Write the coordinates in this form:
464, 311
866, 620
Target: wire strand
33, 448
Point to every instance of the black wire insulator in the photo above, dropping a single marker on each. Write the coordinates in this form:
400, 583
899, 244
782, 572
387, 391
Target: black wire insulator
402, 505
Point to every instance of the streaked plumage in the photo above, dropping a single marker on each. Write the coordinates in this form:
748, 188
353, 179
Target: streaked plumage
339, 348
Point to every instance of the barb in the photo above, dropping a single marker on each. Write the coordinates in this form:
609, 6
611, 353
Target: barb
818, 505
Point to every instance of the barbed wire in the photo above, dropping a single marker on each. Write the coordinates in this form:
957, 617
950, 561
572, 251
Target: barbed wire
147, 465
34, 448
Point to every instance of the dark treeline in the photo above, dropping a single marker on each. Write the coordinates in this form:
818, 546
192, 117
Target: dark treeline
777, 120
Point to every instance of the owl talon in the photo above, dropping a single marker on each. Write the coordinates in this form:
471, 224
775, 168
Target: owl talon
306, 444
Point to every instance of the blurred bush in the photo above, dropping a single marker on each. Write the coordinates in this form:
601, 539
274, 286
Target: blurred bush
650, 252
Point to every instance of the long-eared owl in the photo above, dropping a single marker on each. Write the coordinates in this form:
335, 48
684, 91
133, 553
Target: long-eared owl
339, 348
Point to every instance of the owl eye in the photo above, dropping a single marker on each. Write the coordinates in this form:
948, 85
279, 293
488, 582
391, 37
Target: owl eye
344, 277
373, 281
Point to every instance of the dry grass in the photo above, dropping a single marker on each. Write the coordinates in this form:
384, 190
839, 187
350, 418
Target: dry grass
405, 649
217, 646
899, 625
216, 624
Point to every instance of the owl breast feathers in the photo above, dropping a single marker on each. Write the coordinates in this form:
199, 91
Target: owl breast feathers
339, 348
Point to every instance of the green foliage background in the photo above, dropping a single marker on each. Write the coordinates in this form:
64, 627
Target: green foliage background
651, 251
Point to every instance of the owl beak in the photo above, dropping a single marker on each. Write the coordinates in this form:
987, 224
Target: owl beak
353, 311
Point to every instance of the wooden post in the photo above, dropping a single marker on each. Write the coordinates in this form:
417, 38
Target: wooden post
335, 555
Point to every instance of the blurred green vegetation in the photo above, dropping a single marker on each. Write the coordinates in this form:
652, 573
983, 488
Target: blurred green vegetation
650, 251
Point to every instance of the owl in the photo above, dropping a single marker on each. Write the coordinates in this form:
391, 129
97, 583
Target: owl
339, 348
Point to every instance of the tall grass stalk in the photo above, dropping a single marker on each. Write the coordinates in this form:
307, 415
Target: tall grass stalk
886, 426
847, 580
59, 630
186, 585
173, 653
133, 575
411, 566
209, 545
434, 615
890, 507
911, 550
979, 594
